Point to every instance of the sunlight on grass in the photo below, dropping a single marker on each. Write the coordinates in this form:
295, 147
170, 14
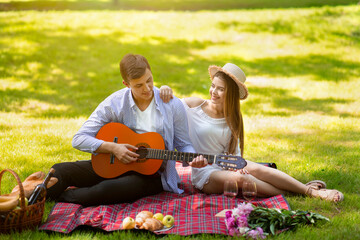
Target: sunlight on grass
302, 67
36, 106
11, 83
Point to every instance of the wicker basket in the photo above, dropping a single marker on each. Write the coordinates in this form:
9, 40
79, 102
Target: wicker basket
28, 217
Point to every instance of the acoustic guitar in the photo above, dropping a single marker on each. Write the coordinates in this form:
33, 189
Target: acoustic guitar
151, 149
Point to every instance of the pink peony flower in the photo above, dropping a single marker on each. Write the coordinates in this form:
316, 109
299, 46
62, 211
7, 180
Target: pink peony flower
243, 209
234, 231
237, 223
256, 233
231, 222
242, 221
228, 214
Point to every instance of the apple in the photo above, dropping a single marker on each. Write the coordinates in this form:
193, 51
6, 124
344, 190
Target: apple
128, 223
168, 221
159, 216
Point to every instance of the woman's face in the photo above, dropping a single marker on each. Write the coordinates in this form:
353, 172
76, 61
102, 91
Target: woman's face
217, 91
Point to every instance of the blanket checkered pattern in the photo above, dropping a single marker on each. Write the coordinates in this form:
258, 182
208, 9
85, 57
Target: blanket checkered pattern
193, 211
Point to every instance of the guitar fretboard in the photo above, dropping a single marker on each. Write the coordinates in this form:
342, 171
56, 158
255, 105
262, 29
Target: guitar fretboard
177, 156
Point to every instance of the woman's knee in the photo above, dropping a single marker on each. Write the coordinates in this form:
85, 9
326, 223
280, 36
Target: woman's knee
242, 178
257, 169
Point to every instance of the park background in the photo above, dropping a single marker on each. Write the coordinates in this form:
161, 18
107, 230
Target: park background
59, 60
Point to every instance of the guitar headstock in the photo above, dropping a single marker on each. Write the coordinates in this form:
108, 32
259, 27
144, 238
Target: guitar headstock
229, 162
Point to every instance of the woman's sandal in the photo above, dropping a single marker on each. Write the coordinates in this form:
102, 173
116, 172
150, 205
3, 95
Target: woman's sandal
325, 194
317, 184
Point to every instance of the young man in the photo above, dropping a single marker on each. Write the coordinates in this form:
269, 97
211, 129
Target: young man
139, 107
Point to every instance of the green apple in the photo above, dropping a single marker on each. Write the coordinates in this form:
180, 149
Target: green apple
128, 223
168, 221
159, 216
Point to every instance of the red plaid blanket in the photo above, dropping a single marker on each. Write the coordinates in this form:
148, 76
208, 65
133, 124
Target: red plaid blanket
193, 211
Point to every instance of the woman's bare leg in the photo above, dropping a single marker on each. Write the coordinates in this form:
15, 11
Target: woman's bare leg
217, 179
276, 178
279, 183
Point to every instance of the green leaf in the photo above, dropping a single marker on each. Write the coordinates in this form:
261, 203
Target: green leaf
272, 229
271, 219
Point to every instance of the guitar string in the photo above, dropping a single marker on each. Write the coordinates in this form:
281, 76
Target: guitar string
221, 160
175, 155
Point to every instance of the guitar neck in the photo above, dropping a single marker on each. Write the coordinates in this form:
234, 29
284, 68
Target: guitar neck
177, 156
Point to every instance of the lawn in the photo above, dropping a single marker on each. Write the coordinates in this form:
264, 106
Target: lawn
303, 73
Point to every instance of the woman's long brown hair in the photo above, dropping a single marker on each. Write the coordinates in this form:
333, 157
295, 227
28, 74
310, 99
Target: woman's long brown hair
232, 113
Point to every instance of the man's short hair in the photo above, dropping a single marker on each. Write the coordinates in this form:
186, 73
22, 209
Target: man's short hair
133, 66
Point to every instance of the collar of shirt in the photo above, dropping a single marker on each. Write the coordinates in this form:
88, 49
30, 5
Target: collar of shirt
160, 120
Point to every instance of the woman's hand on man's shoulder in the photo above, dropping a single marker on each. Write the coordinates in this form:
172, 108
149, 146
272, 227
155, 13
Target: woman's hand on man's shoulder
166, 93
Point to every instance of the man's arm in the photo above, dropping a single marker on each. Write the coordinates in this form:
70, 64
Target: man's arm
85, 139
121, 151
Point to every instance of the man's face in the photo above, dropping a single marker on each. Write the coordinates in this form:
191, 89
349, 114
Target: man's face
142, 87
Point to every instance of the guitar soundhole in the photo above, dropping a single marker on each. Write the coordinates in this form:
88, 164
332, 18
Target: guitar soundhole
142, 151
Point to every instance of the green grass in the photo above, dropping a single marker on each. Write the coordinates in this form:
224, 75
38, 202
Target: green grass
302, 65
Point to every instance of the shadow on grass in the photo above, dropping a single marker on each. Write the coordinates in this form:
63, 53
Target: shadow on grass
284, 104
61, 88
305, 28
319, 67
188, 5
74, 79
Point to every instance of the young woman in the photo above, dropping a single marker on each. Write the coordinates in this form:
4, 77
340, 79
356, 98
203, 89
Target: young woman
216, 126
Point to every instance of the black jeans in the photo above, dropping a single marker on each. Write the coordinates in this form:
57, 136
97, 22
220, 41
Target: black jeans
95, 190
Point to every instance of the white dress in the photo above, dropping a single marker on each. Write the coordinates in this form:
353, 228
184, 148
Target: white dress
209, 136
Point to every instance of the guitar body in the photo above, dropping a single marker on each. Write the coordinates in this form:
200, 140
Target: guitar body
101, 162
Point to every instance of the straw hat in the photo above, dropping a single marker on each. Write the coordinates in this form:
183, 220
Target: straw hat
235, 73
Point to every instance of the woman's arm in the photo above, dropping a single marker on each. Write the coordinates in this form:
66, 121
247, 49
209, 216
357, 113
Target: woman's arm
166, 94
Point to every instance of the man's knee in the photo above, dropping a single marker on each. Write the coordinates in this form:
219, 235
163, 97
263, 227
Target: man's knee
60, 169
